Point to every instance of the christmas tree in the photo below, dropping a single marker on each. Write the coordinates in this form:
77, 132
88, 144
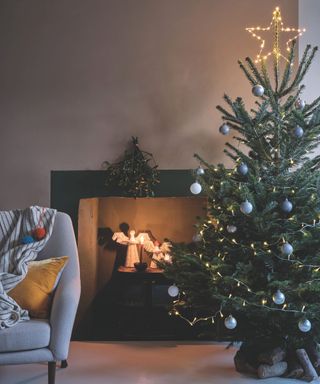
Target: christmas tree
256, 264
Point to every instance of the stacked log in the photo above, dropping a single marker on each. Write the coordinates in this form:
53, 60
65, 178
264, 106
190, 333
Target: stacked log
303, 364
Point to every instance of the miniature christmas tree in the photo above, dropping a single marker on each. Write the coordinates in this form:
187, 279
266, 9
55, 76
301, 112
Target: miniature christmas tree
256, 265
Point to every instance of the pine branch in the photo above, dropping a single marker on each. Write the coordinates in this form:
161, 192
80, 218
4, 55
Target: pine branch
288, 69
247, 73
256, 72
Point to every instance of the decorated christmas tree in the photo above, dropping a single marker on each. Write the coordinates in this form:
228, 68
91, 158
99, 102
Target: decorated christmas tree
255, 267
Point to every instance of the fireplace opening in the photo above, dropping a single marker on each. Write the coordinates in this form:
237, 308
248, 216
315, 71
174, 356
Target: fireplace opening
118, 302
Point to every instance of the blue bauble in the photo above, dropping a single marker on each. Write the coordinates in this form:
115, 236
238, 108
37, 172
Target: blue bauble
287, 249
246, 207
298, 132
27, 240
224, 129
258, 90
286, 206
243, 169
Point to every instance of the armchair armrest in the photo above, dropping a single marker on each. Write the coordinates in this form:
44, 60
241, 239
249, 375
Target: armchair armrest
63, 312
66, 298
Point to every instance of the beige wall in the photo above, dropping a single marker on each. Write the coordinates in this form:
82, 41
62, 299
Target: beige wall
79, 77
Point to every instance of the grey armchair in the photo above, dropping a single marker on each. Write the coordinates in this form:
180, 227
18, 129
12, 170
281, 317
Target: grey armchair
38, 340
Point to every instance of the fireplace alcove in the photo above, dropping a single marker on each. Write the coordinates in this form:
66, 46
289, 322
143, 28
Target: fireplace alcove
117, 305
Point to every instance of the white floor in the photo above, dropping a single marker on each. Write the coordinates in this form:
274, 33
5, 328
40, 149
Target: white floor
139, 363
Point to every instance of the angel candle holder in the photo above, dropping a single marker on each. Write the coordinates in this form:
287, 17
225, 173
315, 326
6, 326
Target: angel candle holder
132, 242
141, 265
159, 252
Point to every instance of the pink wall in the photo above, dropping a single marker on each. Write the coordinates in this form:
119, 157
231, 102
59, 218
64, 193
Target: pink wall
79, 77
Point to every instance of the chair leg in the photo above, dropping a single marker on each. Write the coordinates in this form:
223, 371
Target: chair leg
51, 372
64, 364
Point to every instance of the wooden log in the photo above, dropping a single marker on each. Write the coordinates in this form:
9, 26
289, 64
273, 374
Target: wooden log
295, 370
272, 356
275, 370
314, 355
309, 371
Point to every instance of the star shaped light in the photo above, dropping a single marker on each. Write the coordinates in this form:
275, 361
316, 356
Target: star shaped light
276, 27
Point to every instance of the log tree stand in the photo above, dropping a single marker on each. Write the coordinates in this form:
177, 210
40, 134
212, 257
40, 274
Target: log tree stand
266, 361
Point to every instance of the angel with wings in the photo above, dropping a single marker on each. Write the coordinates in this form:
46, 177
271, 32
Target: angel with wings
132, 242
159, 252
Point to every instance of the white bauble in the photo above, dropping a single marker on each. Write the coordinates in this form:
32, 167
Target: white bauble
230, 322
304, 325
246, 207
258, 90
224, 129
173, 291
195, 188
278, 297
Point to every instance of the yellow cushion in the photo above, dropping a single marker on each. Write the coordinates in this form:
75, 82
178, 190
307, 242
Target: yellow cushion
34, 292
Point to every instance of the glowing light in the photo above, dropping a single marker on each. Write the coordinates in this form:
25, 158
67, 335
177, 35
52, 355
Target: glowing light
277, 27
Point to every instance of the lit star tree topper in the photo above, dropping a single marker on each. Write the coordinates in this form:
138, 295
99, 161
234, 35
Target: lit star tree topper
277, 28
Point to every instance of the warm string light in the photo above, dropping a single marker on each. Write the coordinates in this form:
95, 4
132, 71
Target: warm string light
276, 27
300, 264
244, 304
198, 319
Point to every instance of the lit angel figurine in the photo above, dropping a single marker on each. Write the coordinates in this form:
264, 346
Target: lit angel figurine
132, 242
159, 253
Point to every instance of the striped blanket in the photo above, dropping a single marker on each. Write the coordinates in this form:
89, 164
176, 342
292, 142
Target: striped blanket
14, 255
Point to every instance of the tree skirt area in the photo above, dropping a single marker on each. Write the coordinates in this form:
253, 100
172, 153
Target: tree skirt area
152, 362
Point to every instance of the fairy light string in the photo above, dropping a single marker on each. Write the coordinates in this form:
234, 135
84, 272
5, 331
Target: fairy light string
276, 27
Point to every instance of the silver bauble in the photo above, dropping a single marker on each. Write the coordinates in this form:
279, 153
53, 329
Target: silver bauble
304, 325
243, 169
286, 206
173, 291
298, 132
195, 188
258, 90
231, 228
200, 171
246, 207
224, 129
230, 322
278, 297
286, 249
300, 104
197, 238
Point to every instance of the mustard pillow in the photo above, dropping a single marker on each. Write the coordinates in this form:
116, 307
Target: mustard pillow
34, 292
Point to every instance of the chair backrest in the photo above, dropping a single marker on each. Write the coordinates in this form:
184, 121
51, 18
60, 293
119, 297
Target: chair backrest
62, 243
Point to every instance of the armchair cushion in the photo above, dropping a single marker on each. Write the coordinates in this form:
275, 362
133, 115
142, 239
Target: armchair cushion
31, 334
34, 292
